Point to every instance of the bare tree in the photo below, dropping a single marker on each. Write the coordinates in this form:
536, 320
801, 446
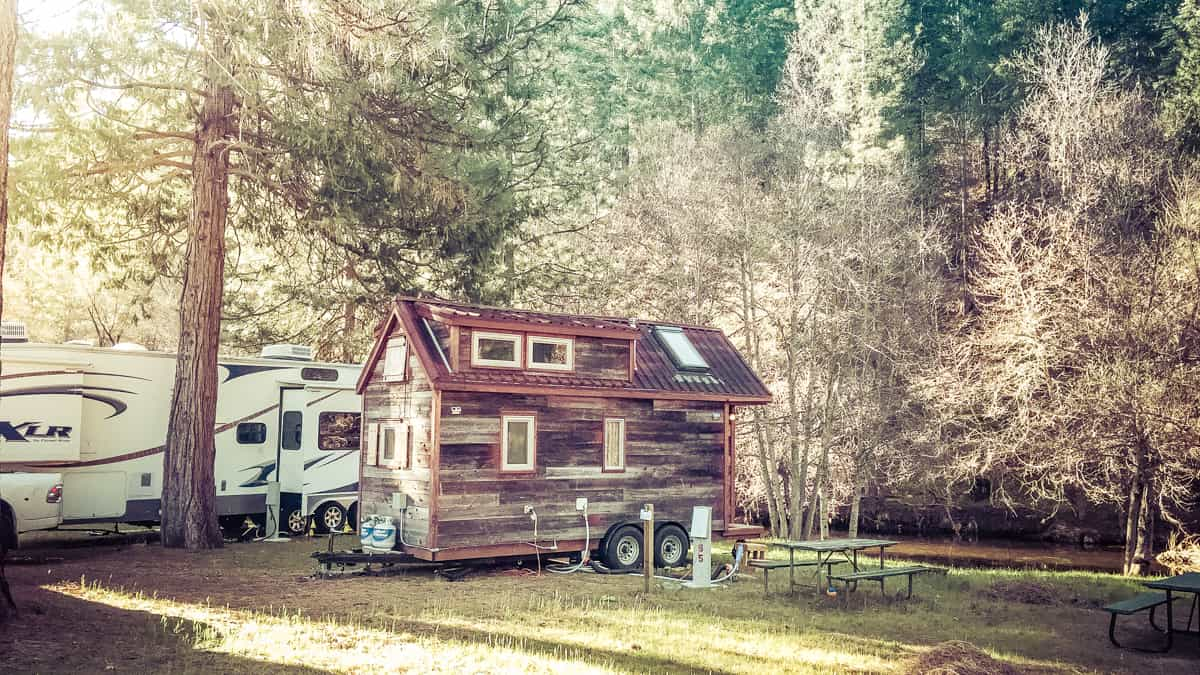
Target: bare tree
8, 43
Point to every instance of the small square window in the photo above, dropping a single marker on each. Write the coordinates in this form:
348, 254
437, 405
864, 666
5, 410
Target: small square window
551, 353
395, 358
518, 442
614, 445
393, 446
500, 350
249, 433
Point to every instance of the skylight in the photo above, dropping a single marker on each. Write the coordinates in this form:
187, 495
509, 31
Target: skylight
680, 348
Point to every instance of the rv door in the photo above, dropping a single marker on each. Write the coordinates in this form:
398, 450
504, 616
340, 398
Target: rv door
290, 458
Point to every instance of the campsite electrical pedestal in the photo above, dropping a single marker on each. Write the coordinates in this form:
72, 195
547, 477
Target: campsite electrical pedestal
273, 512
701, 536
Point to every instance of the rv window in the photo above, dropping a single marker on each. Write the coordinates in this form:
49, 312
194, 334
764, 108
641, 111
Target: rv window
338, 430
290, 432
614, 445
495, 349
551, 353
395, 357
518, 441
319, 374
251, 432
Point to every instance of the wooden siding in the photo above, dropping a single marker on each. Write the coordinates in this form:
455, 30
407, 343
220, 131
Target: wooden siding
674, 457
604, 358
412, 402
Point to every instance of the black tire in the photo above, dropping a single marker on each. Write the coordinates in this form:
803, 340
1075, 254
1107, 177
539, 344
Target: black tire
623, 550
331, 518
670, 546
8, 528
295, 523
352, 517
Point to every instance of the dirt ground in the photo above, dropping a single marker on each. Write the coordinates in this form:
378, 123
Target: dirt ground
135, 607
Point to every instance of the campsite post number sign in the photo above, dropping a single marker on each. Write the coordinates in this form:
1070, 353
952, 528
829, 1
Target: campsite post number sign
647, 517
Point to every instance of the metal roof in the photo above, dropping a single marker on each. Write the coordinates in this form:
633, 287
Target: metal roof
728, 378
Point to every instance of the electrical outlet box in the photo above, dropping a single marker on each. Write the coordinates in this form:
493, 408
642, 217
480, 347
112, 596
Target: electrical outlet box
581, 503
399, 501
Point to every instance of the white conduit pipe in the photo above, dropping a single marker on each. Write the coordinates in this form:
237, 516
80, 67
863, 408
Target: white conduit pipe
583, 555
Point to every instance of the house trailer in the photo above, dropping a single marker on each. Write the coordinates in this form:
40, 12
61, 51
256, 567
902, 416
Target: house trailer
98, 416
496, 432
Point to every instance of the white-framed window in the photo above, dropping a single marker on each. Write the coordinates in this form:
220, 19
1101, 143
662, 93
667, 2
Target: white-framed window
518, 442
614, 444
389, 444
550, 353
395, 358
500, 350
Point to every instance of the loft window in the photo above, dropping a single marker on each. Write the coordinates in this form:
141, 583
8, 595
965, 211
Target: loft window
551, 353
395, 358
500, 350
518, 444
250, 433
338, 430
614, 445
680, 348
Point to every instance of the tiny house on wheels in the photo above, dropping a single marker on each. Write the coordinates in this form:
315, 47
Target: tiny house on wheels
496, 432
98, 416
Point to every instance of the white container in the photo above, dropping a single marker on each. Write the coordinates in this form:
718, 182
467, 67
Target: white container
366, 530
383, 535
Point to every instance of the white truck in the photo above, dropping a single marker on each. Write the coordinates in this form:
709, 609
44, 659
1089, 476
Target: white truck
28, 501
99, 417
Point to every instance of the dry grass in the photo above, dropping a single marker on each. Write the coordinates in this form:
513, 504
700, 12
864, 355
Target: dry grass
251, 608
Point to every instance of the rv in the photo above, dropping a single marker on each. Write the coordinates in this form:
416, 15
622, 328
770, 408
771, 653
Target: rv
98, 417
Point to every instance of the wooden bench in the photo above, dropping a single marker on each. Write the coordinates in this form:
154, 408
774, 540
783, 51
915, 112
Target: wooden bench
767, 565
851, 579
1138, 603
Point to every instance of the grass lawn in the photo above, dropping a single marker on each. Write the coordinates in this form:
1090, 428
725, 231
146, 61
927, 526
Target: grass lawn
252, 608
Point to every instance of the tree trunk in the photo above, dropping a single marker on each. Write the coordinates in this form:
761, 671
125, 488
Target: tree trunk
349, 317
855, 509
766, 453
1140, 516
8, 44
189, 515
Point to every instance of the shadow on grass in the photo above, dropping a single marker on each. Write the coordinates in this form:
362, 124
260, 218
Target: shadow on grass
59, 633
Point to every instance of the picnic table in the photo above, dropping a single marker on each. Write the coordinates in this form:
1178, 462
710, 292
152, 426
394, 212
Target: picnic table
1183, 583
826, 549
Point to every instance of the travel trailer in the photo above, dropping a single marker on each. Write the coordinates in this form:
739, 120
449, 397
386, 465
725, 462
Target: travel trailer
497, 432
98, 417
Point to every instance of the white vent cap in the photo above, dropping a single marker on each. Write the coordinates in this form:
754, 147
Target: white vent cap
13, 331
289, 352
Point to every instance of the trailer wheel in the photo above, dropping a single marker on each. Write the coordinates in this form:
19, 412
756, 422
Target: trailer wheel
670, 546
331, 518
623, 552
296, 523
8, 528
352, 516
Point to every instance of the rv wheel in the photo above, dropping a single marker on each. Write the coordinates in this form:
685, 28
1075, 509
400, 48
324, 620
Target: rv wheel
353, 516
624, 549
331, 518
670, 546
296, 522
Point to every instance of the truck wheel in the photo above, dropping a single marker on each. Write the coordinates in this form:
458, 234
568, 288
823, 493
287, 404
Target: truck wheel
331, 518
670, 546
296, 523
623, 552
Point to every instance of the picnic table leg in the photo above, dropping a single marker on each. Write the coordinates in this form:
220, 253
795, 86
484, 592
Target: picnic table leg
791, 570
910, 586
881, 557
1170, 621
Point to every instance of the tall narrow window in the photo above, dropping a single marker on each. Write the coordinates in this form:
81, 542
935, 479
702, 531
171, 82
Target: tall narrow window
498, 350
518, 442
393, 447
551, 353
614, 445
395, 358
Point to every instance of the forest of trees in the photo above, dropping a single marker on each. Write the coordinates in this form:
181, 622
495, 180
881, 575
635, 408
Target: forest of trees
959, 240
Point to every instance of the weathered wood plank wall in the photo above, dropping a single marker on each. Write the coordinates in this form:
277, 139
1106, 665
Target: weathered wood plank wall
674, 450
